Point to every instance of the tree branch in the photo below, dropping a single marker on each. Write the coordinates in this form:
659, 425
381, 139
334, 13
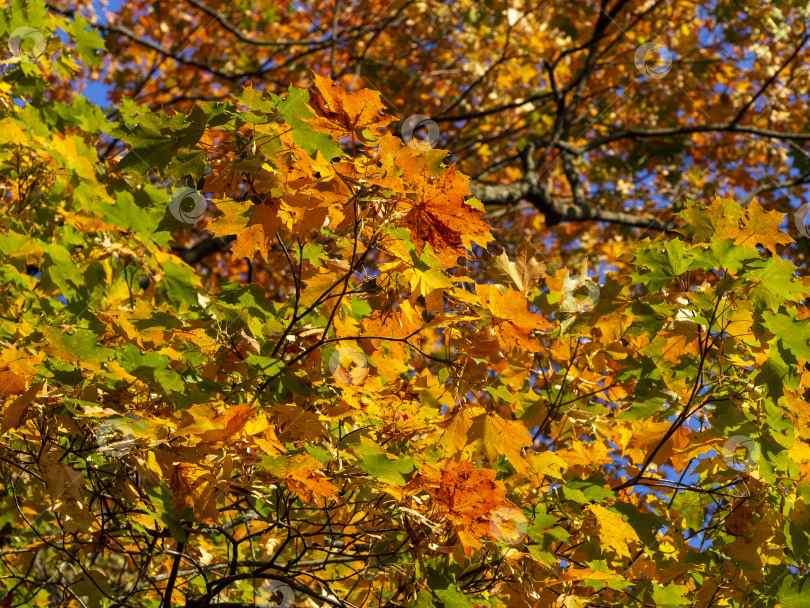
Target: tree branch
556, 211
728, 127
204, 248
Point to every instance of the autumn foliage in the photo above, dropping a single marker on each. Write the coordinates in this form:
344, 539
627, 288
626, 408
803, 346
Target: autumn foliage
258, 347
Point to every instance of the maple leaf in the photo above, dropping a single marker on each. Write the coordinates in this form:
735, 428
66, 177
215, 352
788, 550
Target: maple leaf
440, 216
193, 487
526, 270
340, 113
468, 496
762, 227
391, 357
681, 340
304, 475
225, 425
14, 413
17, 368
65, 487
719, 220
473, 433
255, 226
581, 574
724, 218
614, 531
514, 324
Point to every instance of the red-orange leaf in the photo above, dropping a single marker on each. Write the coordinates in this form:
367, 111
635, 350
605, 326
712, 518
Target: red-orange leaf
440, 216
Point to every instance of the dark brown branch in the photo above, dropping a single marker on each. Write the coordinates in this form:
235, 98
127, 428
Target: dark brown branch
206, 247
727, 127
799, 181
556, 210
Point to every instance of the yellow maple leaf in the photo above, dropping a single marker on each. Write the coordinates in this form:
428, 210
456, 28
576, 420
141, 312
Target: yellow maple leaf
474, 434
614, 531
194, 487
762, 227
546, 464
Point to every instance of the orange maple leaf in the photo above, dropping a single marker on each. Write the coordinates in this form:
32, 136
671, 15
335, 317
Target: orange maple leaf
303, 475
231, 422
681, 340
340, 113
440, 216
255, 226
512, 320
468, 496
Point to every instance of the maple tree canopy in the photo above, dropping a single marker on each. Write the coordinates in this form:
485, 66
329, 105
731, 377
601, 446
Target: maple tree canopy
404, 304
